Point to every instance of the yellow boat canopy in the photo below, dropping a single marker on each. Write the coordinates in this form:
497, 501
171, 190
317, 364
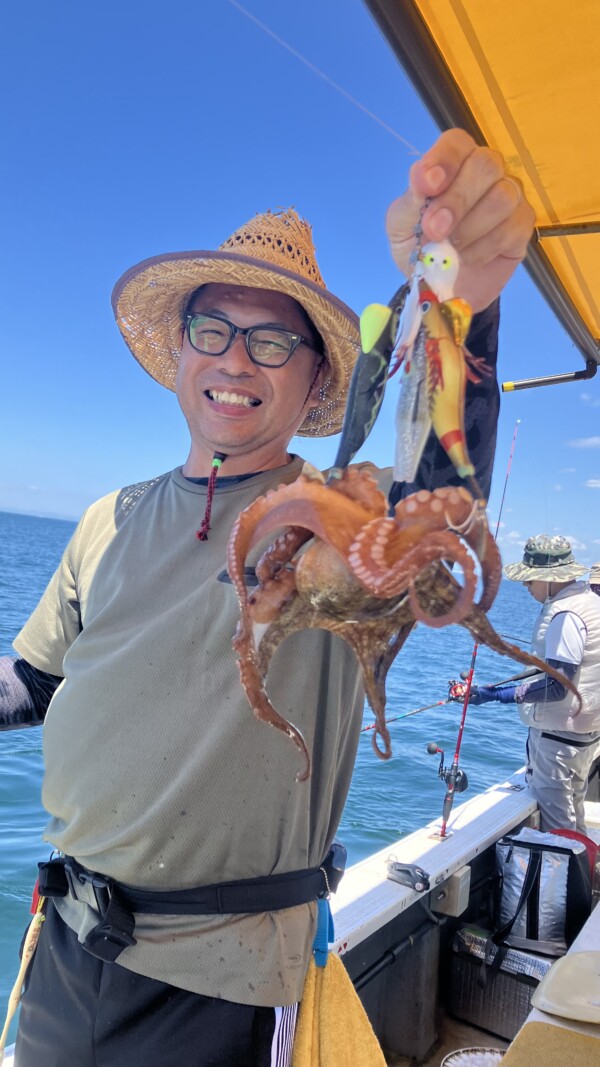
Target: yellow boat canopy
523, 76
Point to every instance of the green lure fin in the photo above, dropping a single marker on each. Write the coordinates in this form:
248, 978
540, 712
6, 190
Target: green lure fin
378, 329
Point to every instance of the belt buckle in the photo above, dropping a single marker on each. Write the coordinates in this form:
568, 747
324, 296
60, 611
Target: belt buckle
102, 887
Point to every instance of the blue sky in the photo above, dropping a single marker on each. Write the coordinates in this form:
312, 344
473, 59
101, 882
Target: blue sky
132, 130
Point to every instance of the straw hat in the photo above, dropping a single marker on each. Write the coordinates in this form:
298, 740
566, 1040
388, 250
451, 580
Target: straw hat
272, 251
595, 574
545, 559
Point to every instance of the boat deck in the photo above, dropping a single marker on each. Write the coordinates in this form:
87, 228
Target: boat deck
457, 1035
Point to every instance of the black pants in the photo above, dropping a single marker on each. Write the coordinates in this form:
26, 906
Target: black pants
80, 1012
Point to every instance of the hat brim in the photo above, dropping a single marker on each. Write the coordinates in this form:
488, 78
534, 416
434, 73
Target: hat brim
520, 572
149, 300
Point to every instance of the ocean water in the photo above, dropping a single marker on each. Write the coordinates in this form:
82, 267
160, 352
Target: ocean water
387, 799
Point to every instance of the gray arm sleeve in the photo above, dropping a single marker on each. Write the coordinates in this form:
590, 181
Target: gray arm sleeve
25, 693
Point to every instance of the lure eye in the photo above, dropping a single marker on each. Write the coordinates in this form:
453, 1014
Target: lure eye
446, 263
428, 259
426, 305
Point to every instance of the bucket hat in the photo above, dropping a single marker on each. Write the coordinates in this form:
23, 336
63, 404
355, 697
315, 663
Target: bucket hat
546, 559
274, 250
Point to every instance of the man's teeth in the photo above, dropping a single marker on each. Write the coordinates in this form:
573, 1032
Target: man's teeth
232, 398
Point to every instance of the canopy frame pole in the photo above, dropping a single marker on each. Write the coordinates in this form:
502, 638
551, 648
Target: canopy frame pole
553, 379
567, 229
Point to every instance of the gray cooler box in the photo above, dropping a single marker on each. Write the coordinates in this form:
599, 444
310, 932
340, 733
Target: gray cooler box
497, 1001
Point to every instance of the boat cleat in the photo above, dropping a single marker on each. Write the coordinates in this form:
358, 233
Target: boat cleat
408, 874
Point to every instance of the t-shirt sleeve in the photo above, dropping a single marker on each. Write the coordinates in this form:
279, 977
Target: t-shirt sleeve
56, 622
565, 638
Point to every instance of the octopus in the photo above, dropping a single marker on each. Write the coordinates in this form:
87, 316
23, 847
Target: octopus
366, 576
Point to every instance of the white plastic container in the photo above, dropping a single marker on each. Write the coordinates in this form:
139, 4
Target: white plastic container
473, 1057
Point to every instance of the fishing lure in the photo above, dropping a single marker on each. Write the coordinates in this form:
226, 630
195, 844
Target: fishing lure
426, 326
431, 349
378, 334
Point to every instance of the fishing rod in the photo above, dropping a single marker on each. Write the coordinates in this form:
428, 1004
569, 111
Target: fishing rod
528, 673
455, 779
449, 700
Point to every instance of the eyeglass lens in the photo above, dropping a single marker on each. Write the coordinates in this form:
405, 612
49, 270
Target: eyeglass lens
214, 336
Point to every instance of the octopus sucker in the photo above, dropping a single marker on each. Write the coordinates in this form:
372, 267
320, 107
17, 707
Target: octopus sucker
365, 576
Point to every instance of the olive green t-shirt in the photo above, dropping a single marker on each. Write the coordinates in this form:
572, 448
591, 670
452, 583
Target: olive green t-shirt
157, 774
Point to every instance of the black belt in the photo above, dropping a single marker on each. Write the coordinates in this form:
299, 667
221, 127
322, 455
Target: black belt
568, 740
116, 902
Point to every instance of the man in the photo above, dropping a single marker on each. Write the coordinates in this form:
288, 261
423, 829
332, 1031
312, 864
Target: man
595, 578
562, 740
157, 776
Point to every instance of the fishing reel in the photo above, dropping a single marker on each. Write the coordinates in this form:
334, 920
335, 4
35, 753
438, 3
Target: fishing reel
450, 775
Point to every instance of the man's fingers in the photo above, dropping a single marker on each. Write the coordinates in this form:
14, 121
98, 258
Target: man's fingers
455, 172
509, 238
402, 217
502, 202
400, 221
437, 169
475, 183
460, 191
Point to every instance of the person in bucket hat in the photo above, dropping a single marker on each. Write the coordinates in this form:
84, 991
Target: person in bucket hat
158, 779
563, 738
595, 578
546, 559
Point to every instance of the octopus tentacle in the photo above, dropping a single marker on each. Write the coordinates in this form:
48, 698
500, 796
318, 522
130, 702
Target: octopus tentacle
377, 562
241, 540
475, 531
441, 546
262, 707
366, 577
382, 731
491, 573
360, 484
465, 517
482, 630
273, 594
306, 503
275, 572
449, 506
281, 551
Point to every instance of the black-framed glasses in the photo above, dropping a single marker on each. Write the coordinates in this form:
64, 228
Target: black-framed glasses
267, 346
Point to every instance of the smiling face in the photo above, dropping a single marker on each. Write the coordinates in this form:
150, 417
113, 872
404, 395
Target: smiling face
231, 404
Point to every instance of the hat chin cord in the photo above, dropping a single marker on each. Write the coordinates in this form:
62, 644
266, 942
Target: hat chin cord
217, 460
559, 585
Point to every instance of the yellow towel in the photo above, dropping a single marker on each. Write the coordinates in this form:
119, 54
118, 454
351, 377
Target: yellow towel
333, 1027
552, 1046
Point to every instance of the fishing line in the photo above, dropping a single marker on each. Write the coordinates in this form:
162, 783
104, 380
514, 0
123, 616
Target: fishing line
407, 714
448, 700
321, 74
452, 776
